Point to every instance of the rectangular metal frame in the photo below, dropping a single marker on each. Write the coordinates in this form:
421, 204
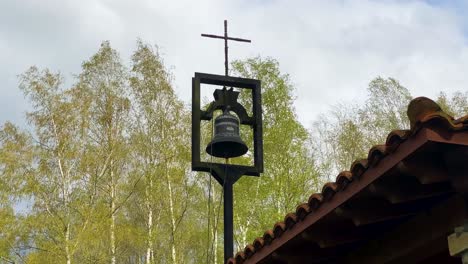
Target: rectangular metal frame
228, 81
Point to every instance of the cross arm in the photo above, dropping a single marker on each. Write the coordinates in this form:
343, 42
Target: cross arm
222, 37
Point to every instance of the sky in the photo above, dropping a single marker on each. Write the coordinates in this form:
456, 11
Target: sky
330, 49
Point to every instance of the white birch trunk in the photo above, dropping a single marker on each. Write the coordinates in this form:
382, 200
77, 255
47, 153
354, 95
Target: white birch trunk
149, 249
65, 197
243, 230
173, 220
112, 223
67, 243
215, 237
215, 228
244, 225
112, 231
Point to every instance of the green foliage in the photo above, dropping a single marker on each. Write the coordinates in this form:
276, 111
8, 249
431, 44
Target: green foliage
102, 153
289, 175
160, 135
349, 130
456, 105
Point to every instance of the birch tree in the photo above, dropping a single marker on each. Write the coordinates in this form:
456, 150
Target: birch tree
16, 159
56, 220
349, 130
455, 105
161, 141
103, 83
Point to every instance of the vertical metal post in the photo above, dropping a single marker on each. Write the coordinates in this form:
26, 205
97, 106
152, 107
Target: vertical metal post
226, 63
228, 221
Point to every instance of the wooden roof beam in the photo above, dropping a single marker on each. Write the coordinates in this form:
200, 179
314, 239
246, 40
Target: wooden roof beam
457, 164
403, 188
332, 236
412, 235
426, 170
299, 259
372, 211
305, 251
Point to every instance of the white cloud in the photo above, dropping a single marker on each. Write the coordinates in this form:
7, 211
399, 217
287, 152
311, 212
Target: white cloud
331, 49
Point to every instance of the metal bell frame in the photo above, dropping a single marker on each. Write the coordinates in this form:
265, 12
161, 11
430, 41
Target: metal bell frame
221, 101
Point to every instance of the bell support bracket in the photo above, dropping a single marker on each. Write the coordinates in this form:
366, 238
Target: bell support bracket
223, 99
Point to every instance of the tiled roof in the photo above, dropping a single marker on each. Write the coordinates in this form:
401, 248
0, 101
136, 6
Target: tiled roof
429, 126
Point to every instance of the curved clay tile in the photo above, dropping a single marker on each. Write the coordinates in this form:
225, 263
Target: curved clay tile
258, 243
289, 220
358, 168
268, 237
440, 120
314, 201
343, 179
394, 139
278, 229
328, 190
376, 153
461, 120
302, 211
240, 257
249, 250
421, 107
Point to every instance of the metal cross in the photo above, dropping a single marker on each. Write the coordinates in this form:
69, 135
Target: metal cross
226, 38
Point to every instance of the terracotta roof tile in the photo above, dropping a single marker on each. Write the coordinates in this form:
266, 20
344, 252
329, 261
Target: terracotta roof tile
376, 153
422, 112
395, 137
421, 107
290, 220
258, 243
249, 250
314, 201
302, 211
240, 257
328, 190
358, 168
268, 237
279, 229
462, 120
343, 179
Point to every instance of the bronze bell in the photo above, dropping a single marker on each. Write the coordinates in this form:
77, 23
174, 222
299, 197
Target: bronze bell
226, 142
